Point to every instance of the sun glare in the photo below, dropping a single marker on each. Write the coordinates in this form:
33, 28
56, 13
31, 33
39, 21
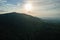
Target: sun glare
28, 7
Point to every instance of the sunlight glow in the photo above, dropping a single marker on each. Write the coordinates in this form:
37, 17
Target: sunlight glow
28, 7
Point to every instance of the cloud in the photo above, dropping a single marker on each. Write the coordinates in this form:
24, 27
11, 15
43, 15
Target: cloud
2, 2
38, 5
2, 11
46, 6
5, 6
42, 7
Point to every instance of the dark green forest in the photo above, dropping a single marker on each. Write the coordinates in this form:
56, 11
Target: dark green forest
19, 26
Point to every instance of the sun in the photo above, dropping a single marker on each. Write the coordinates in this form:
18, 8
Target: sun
28, 7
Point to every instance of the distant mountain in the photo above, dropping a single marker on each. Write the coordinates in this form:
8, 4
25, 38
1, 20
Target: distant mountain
52, 20
19, 26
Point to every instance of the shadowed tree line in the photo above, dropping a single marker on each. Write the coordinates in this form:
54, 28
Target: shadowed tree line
16, 26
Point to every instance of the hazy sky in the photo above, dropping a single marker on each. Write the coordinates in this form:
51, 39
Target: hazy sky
40, 7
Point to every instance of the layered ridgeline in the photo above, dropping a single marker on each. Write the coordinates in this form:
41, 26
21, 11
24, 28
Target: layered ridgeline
19, 26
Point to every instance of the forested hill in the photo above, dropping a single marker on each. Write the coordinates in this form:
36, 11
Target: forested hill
18, 26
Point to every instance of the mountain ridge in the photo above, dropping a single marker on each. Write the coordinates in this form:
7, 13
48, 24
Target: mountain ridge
16, 26
16, 18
